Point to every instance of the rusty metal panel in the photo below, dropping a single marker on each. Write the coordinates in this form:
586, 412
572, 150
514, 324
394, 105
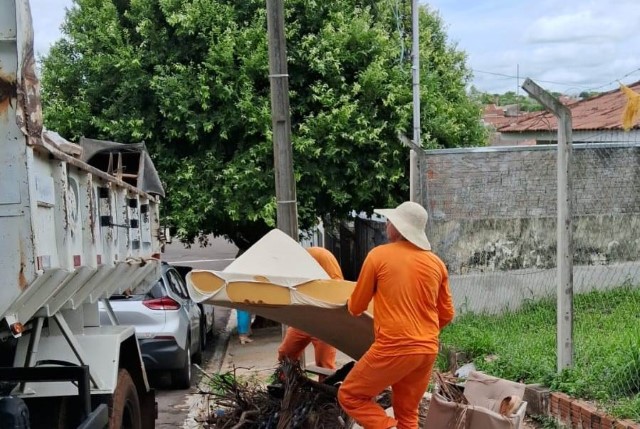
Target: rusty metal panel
17, 258
62, 221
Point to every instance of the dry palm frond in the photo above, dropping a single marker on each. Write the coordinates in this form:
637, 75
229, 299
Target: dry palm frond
307, 403
632, 108
235, 402
302, 403
452, 393
293, 401
449, 390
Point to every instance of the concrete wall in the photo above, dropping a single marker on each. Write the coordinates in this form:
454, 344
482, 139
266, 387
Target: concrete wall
582, 136
520, 182
493, 216
499, 291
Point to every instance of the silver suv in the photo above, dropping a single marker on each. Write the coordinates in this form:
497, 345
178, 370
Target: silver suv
170, 327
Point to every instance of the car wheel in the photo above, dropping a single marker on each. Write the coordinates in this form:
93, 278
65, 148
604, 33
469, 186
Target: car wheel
204, 333
197, 356
181, 378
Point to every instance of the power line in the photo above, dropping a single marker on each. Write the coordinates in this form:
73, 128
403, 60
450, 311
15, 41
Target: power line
619, 79
566, 84
537, 80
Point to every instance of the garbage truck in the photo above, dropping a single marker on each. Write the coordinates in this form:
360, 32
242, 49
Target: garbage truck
78, 223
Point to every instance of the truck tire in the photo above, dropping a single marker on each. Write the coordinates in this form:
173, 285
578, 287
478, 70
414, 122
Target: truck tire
124, 407
53, 413
181, 378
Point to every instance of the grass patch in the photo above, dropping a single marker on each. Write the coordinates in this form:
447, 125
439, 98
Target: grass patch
521, 346
546, 422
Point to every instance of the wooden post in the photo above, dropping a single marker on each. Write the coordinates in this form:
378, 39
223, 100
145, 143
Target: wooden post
564, 230
287, 210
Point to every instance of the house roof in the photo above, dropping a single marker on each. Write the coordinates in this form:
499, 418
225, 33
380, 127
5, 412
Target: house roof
602, 112
496, 116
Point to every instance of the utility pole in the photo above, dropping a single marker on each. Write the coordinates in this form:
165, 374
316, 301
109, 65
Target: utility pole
287, 209
287, 206
414, 166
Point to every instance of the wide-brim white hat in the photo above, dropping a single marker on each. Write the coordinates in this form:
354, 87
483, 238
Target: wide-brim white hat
410, 219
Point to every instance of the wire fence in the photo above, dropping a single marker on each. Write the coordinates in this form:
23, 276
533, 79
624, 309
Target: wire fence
493, 221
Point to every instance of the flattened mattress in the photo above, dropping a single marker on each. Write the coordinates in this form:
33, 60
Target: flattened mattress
278, 279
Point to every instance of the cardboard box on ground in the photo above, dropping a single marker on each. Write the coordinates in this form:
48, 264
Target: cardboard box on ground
494, 403
486, 396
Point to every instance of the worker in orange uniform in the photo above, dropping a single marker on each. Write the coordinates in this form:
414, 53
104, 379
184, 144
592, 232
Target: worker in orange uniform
295, 340
409, 286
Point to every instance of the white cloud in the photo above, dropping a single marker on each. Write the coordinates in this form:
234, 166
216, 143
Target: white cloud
571, 55
573, 45
579, 27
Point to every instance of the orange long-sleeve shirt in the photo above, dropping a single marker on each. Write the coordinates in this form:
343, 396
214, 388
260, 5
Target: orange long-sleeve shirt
411, 298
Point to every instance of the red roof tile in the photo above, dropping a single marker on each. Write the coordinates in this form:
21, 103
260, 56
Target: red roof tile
602, 112
496, 116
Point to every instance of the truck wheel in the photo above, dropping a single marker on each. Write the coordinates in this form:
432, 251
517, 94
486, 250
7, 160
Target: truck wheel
124, 407
181, 378
53, 413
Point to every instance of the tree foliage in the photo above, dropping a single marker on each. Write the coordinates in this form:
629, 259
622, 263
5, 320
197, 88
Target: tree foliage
190, 78
588, 94
525, 103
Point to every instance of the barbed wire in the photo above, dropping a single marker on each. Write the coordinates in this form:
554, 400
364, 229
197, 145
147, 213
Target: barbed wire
567, 84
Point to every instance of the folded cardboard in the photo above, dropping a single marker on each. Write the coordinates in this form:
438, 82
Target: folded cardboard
485, 395
278, 279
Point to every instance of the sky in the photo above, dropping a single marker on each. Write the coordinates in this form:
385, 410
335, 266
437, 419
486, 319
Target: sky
47, 17
567, 46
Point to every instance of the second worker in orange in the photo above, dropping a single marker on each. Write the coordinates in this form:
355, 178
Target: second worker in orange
295, 340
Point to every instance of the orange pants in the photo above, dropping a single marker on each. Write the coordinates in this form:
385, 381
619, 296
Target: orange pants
294, 343
408, 376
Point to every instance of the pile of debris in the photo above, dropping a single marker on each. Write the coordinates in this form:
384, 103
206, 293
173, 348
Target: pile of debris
294, 401
291, 401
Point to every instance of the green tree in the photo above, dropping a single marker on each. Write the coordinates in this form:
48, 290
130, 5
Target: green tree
190, 78
526, 103
483, 98
588, 94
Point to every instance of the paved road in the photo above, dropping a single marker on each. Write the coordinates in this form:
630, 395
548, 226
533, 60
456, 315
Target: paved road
217, 255
172, 404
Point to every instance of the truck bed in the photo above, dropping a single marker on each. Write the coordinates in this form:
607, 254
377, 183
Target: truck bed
72, 233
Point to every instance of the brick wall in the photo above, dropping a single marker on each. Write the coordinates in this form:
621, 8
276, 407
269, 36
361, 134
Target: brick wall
577, 414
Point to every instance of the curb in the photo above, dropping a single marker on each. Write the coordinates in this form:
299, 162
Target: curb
222, 345
198, 403
576, 413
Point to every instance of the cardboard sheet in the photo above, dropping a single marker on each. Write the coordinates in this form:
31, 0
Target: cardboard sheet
278, 279
484, 393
